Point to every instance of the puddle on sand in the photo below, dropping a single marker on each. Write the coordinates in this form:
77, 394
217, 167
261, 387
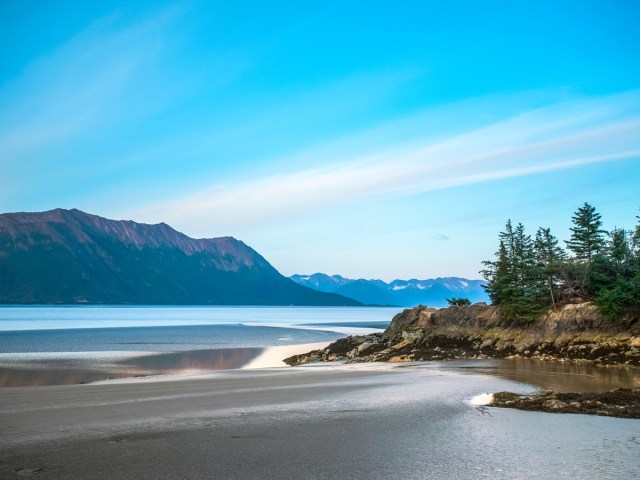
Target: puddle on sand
556, 376
60, 372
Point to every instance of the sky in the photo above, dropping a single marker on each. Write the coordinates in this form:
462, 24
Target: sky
380, 140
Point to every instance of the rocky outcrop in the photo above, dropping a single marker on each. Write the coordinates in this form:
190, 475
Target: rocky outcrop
622, 402
351, 347
570, 332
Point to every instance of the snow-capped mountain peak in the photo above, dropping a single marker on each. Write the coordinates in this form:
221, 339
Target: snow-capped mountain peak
432, 292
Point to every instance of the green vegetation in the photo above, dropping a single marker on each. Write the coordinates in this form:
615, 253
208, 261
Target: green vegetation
529, 276
458, 301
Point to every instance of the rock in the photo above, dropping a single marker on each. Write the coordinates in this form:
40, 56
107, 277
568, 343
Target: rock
363, 346
575, 332
398, 359
411, 336
624, 403
505, 396
555, 404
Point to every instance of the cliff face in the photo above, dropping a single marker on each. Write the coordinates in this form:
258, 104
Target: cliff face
573, 332
68, 256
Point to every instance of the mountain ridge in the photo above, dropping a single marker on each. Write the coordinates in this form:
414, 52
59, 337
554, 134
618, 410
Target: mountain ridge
405, 293
68, 256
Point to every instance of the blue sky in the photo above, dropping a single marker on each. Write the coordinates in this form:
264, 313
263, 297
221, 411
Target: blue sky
386, 140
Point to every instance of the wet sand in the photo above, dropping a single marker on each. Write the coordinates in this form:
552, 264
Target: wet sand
317, 422
68, 369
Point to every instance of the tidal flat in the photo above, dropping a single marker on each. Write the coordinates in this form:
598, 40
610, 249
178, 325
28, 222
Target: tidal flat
374, 421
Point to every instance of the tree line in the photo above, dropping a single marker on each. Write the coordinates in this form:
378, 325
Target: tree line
529, 275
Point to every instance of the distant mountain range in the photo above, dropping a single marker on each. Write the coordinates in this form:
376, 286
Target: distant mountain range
405, 293
71, 257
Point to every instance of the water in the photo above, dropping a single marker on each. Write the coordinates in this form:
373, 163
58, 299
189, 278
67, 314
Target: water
161, 329
70, 317
556, 376
77, 344
156, 339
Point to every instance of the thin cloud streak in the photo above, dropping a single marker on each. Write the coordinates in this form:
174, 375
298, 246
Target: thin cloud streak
65, 93
558, 137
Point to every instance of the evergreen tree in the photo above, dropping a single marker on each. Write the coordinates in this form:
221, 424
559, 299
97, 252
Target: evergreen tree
635, 244
526, 275
498, 276
619, 250
587, 238
616, 275
458, 301
529, 274
549, 257
514, 278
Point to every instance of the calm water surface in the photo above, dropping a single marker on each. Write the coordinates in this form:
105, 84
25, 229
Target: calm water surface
69, 317
77, 344
546, 375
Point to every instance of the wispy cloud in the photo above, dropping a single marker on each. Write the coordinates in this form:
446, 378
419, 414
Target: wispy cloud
566, 135
69, 90
441, 236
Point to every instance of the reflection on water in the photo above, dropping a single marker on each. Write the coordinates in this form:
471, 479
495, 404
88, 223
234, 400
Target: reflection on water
59, 372
24, 377
556, 376
197, 360
380, 325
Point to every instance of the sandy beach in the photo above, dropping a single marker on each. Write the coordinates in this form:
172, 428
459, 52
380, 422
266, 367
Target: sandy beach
317, 422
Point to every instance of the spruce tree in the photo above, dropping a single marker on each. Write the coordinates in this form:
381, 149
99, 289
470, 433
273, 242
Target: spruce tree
616, 275
587, 238
549, 257
635, 244
530, 276
525, 275
498, 276
514, 278
619, 250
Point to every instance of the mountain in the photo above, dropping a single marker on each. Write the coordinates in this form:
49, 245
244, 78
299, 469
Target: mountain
406, 293
367, 291
68, 256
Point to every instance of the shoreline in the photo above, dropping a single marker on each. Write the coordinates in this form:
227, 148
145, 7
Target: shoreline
162, 349
72, 368
572, 332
